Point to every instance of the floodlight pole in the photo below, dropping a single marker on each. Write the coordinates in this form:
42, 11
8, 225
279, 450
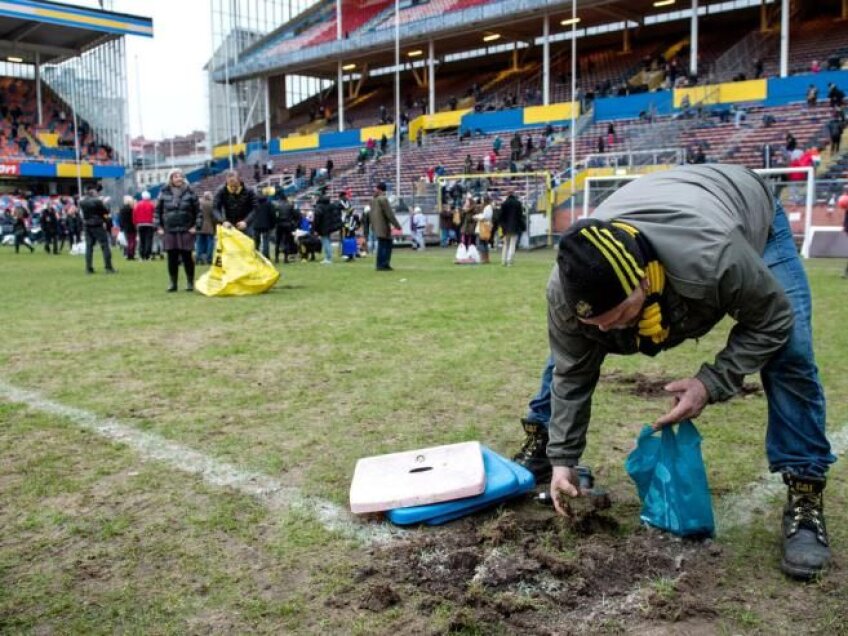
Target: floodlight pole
784, 39
573, 100
267, 113
397, 100
76, 139
339, 79
229, 102
431, 78
546, 60
693, 39
38, 88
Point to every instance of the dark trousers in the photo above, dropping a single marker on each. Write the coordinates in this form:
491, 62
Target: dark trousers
284, 243
174, 258
130, 236
51, 240
384, 253
145, 239
21, 239
74, 237
97, 234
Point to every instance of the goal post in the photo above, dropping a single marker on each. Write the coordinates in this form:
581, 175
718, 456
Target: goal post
805, 201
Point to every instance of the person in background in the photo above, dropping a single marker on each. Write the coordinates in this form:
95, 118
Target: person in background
382, 219
21, 231
234, 203
445, 225
467, 221
812, 95
322, 222
512, 224
125, 222
264, 221
50, 228
288, 220
74, 223
95, 215
417, 225
368, 231
350, 223
177, 218
143, 221
483, 228
204, 240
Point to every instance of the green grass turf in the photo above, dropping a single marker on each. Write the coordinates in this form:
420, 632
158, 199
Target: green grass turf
333, 364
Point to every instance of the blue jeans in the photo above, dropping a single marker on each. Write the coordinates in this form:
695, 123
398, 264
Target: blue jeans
262, 240
795, 435
327, 246
204, 245
444, 237
539, 408
384, 253
372, 242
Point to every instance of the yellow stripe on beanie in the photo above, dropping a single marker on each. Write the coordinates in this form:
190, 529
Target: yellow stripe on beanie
622, 277
633, 265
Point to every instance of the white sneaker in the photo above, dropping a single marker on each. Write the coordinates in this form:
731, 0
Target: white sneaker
326, 262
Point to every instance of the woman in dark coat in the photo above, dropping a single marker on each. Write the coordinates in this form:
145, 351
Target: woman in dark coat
512, 224
177, 216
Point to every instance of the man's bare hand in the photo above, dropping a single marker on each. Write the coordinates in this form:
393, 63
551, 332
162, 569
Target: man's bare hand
241, 225
690, 398
564, 481
227, 225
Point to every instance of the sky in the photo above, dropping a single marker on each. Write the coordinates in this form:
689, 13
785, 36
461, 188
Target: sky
167, 84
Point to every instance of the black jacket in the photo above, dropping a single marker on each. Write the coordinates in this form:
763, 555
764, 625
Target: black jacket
288, 216
125, 219
511, 218
322, 224
265, 217
94, 212
49, 222
234, 207
177, 212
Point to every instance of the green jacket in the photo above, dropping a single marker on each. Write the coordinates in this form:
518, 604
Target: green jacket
708, 225
382, 217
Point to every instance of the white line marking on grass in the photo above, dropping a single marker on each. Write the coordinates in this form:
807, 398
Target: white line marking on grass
741, 509
273, 493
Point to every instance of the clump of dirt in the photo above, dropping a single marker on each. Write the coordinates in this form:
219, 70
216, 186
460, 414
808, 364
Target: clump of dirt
378, 597
532, 571
647, 386
682, 600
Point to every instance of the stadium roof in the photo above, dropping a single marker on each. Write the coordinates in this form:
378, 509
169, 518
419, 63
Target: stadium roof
514, 20
59, 31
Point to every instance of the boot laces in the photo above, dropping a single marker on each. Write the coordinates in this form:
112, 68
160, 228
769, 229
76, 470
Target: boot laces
532, 445
806, 511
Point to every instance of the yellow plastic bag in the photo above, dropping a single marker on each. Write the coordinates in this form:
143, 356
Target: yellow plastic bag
238, 269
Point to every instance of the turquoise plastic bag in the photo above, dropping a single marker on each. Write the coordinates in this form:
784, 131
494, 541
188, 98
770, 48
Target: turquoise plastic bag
669, 474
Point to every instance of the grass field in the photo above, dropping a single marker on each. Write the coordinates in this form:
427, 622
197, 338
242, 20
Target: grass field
333, 364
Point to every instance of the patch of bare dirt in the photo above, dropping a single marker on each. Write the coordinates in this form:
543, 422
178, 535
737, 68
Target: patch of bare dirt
535, 573
650, 386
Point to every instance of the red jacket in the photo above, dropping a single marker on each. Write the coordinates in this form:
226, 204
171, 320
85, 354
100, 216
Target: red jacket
143, 213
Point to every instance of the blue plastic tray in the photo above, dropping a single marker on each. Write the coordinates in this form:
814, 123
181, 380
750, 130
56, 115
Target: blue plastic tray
504, 480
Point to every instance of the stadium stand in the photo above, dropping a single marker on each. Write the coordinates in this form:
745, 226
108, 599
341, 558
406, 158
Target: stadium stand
22, 138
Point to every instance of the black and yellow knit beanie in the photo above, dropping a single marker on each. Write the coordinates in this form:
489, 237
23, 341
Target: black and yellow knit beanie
599, 266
